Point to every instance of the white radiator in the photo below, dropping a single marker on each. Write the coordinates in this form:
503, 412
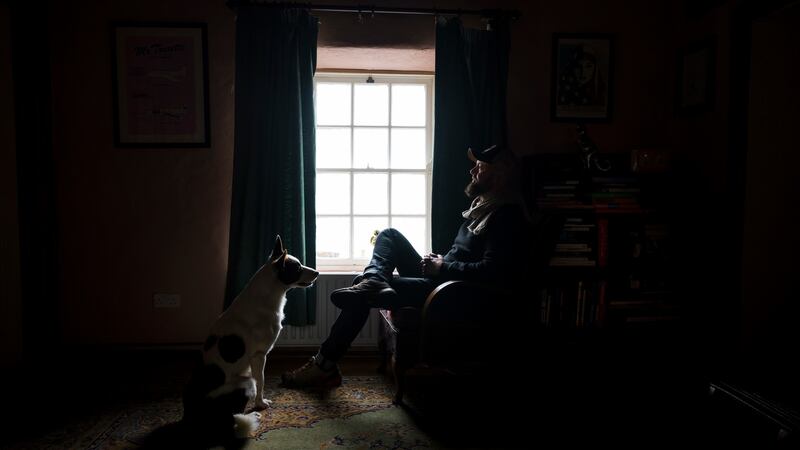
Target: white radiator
313, 335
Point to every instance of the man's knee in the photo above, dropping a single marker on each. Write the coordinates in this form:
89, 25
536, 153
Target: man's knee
390, 233
388, 237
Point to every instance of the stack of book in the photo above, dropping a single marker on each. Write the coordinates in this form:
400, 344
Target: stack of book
618, 194
575, 246
575, 305
564, 193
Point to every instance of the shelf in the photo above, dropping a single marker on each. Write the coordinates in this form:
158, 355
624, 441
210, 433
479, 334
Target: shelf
613, 220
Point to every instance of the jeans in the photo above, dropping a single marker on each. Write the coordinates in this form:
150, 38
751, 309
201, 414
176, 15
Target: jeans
392, 251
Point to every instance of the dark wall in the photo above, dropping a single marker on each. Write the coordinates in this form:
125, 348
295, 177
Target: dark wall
10, 306
771, 243
133, 222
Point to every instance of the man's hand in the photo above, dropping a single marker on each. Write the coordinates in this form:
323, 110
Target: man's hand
431, 264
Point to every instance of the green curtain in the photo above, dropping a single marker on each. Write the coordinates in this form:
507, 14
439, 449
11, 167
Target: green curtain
470, 110
274, 149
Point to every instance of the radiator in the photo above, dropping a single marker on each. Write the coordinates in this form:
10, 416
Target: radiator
313, 335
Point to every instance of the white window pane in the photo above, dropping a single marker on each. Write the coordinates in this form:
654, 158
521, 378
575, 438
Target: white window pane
371, 104
370, 193
408, 193
333, 238
333, 193
333, 148
413, 228
408, 105
333, 103
371, 148
408, 148
363, 228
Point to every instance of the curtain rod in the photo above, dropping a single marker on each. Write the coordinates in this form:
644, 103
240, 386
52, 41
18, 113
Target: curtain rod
372, 9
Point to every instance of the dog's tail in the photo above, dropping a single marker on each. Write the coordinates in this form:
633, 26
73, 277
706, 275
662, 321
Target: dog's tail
244, 425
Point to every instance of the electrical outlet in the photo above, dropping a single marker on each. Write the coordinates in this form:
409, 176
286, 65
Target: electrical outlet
166, 300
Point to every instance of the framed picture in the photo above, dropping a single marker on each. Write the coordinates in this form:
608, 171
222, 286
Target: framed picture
582, 77
695, 90
160, 85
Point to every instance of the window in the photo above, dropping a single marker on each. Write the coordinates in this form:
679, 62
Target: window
374, 141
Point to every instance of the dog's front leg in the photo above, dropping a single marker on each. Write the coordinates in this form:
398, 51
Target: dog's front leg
257, 363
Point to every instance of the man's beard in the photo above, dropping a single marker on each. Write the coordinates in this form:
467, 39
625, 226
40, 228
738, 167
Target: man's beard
475, 189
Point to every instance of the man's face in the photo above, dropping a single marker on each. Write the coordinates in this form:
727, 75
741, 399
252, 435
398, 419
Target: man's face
482, 179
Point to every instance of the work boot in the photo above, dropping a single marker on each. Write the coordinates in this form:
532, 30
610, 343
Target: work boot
368, 291
312, 375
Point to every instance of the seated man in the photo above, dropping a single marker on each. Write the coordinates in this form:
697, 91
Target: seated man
488, 249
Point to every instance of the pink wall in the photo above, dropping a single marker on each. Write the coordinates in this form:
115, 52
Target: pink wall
134, 222
770, 239
643, 74
643, 78
702, 140
10, 307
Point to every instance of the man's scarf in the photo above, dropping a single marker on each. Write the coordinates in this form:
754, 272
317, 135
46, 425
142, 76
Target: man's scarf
482, 208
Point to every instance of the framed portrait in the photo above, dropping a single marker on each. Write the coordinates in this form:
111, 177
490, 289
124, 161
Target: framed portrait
582, 77
160, 78
695, 77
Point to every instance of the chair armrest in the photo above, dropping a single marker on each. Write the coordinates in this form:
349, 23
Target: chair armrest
404, 319
458, 320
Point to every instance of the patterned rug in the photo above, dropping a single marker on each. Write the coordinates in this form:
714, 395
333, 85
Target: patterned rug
359, 414
297, 408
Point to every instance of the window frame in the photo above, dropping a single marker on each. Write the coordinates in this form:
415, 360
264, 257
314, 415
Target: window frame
352, 264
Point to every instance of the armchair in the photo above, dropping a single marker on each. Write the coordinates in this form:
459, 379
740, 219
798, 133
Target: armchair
465, 328
459, 332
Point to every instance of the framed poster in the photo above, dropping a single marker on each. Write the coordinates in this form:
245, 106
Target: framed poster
160, 85
581, 80
695, 91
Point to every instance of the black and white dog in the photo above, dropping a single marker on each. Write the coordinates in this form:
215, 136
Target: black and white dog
236, 349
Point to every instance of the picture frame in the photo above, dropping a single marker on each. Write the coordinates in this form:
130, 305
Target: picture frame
695, 90
582, 77
160, 83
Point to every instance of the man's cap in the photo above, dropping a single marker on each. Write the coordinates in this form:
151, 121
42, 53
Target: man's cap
486, 155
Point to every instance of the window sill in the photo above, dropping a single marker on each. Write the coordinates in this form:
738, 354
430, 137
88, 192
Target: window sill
338, 271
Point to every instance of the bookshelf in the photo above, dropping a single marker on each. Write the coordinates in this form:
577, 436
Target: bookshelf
610, 267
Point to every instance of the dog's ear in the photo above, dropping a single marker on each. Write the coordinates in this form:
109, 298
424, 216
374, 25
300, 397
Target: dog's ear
278, 251
279, 262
